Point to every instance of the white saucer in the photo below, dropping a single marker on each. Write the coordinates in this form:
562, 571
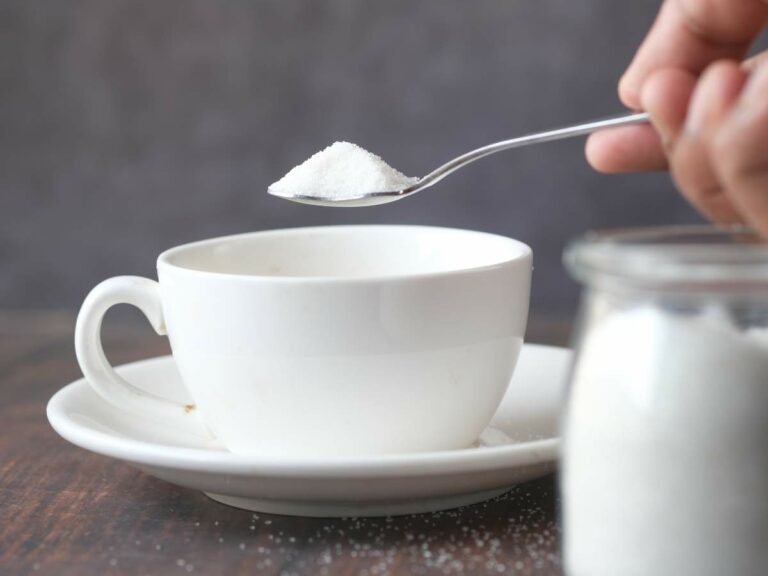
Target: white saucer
519, 445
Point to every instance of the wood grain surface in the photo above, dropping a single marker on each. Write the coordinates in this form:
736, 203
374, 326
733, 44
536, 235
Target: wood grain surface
65, 511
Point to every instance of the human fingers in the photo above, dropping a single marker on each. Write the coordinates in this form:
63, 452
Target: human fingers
740, 150
643, 148
692, 157
691, 34
626, 149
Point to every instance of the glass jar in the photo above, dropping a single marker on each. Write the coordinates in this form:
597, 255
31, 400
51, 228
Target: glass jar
665, 466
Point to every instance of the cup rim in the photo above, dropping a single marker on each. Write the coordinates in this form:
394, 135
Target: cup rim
164, 259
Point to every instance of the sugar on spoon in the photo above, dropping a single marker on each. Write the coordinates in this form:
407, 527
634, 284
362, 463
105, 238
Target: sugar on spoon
351, 196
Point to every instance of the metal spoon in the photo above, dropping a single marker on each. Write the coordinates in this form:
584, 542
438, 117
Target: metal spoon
384, 196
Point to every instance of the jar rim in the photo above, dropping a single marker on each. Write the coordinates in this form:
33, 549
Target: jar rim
670, 256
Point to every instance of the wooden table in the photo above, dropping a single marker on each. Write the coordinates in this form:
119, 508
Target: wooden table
65, 511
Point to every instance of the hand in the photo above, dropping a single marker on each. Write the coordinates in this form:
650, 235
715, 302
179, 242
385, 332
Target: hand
709, 110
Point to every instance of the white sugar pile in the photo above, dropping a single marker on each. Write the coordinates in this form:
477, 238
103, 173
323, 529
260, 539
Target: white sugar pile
343, 170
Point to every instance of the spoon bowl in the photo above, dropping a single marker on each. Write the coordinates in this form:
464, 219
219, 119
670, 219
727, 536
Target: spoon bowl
367, 199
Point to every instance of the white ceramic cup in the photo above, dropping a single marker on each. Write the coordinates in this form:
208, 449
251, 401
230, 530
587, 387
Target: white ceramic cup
329, 341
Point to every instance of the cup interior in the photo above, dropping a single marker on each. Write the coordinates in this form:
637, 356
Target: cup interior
347, 252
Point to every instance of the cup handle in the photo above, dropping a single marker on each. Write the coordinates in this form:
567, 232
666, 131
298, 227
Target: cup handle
145, 295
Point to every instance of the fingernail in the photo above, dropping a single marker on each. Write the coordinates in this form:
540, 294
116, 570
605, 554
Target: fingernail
695, 119
753, 101
754, 91
665, 136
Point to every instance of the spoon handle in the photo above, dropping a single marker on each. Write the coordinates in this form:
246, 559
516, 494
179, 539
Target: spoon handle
568, 131
536, 138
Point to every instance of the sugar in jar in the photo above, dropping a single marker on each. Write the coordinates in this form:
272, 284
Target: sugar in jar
665, 465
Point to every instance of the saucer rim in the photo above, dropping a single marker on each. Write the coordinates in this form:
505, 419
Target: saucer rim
145, 453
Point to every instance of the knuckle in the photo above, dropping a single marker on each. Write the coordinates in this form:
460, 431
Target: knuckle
737, 158
693, 173
747, 171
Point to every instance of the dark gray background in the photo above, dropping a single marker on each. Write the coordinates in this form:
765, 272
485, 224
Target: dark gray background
130, 126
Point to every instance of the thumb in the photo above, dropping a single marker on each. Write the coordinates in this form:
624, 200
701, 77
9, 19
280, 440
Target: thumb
665, 96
